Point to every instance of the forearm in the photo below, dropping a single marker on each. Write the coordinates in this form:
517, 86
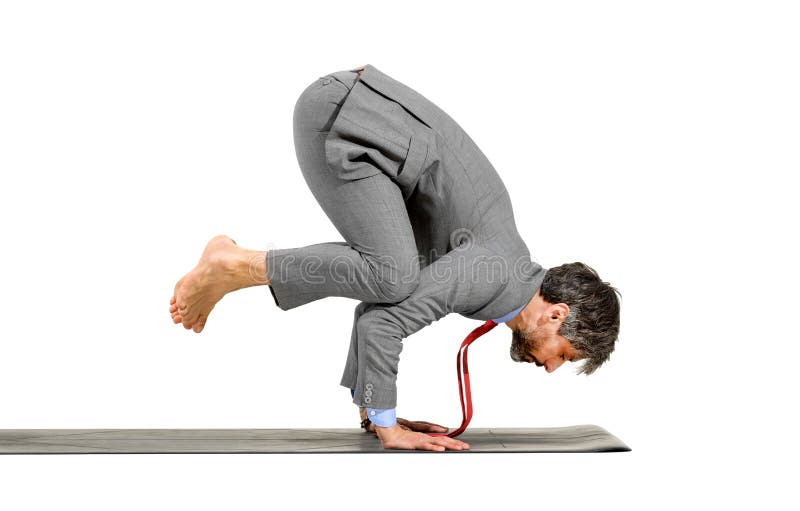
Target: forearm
460, 281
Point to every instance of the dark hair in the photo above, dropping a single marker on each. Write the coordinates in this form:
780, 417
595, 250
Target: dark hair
592, 325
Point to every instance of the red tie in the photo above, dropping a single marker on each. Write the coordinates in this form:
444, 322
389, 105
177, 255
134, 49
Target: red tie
466, 405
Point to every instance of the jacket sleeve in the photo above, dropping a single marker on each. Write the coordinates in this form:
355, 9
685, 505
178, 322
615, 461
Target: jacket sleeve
463, 280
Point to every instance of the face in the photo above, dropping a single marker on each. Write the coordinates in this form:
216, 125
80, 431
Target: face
542, 346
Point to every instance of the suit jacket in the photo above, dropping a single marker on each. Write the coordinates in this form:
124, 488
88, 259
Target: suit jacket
473, 261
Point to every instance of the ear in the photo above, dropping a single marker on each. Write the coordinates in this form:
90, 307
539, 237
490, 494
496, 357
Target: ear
558, 312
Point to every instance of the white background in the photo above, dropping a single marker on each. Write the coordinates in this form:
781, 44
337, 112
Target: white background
657, 142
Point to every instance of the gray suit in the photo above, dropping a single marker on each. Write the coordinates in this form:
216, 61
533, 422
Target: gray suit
428, 223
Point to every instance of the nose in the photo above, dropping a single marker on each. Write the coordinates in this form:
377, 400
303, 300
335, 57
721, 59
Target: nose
552, 364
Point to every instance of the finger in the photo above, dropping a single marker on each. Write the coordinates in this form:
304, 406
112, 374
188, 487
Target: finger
450, 443
429, 426
433, 447
405, 423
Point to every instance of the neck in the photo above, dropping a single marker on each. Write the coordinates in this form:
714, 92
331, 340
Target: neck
529, 314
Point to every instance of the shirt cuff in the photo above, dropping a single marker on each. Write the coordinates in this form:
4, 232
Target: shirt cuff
382, 417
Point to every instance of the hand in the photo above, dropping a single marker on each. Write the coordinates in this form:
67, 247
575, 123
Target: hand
397, 437
421, 426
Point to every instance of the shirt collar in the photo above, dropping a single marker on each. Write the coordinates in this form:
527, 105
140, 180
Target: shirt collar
509, 316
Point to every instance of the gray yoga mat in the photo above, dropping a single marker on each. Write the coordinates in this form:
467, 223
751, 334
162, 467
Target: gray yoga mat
584, 438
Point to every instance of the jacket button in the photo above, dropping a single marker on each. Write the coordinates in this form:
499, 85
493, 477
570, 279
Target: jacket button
368, 393
367, 399
369, 386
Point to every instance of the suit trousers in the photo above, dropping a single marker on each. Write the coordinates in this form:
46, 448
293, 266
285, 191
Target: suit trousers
377, 261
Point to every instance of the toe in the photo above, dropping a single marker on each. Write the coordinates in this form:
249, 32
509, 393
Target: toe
190, 317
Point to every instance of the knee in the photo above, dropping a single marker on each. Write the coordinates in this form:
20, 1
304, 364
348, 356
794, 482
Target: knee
400, 292
398, 279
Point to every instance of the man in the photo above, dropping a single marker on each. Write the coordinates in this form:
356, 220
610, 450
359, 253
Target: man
429, 230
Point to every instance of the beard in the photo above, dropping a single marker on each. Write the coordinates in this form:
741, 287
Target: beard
522, 343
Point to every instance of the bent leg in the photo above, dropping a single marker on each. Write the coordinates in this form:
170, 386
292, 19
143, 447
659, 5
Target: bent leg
378, 261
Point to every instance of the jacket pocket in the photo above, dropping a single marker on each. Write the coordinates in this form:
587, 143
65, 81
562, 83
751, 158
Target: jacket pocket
413, 165
353, 151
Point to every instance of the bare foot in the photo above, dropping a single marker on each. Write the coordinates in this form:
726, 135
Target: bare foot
223, 267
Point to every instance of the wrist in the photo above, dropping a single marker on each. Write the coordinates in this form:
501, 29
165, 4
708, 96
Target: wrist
382, 417
385, 432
